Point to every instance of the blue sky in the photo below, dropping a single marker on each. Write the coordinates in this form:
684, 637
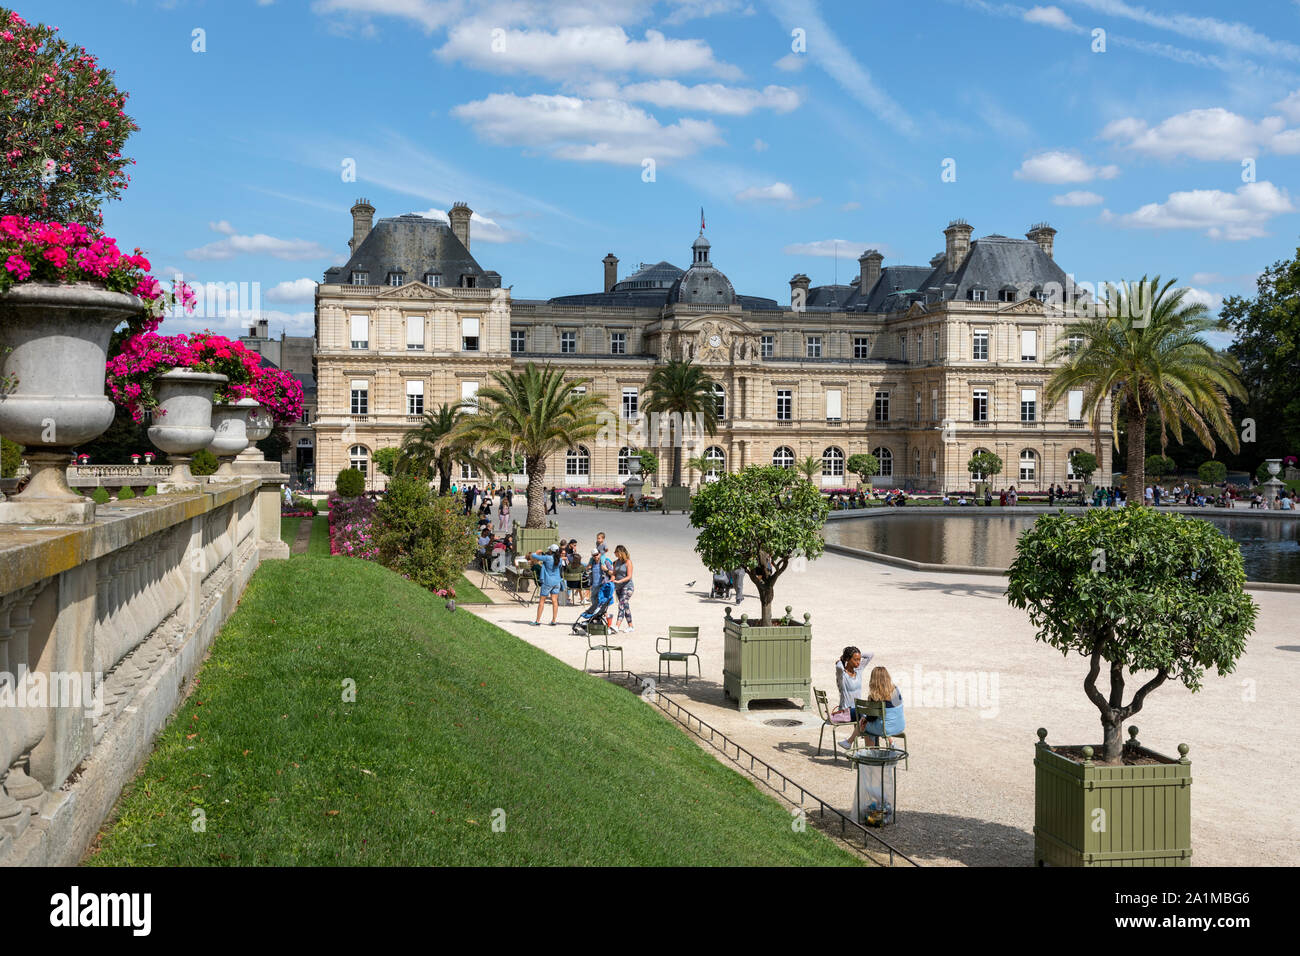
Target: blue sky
1168, 144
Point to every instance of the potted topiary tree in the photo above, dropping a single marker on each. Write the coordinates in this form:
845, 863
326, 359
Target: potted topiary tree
1084, 464
865, 466
762, 519
982, 466
1134, 590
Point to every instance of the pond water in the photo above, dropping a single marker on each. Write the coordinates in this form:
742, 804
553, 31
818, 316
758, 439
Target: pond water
1270, 547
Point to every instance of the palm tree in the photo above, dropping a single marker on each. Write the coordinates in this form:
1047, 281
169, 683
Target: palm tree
426, 450
683, 391
537, 413
809, 467
1145, 352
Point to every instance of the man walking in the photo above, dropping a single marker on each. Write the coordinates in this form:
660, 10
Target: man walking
550, 508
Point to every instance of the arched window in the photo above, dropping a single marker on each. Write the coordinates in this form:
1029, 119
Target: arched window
720, 401
886, 459
577, 462
783, 457
624, 456
359, 458
717, 462
1028, 466
979, 475
1069, 464
833, 463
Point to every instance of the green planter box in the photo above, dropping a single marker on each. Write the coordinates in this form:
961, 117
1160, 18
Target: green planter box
1086, 814
677, 498
528, 540
767, 663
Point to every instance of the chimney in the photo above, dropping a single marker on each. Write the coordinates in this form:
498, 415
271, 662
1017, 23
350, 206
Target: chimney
611, 271
1042, 234
460, 214
958, 243
263, 328
869, 274
363, 217
799, 282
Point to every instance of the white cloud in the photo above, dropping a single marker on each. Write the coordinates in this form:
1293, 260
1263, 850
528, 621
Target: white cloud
712, 97
1077, 197
1210, 134
1061, 166
830, 248
481, 228
760, 145
430, 14
685, 10
850, 206
558, 55
1211, 300
791, 62
568, 127
1290, 106
1235, 36
1239, 215
1053, 17
223, 227
775, 192
292, 290
257, 245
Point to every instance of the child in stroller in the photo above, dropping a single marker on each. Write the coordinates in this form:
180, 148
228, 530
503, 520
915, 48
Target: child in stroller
721, 584
601, 598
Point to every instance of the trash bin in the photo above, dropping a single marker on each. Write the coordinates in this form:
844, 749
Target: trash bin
875, 801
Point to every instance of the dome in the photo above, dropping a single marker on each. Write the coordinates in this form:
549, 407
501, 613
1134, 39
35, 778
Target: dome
702, 284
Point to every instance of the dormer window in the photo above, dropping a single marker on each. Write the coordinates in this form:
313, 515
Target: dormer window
978, 295
467, 281
361, 278
396, 278
433, 278
1007, 294
1039, 294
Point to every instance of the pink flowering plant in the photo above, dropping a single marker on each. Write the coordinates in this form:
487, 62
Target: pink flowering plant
351, 531
64, 126
35, 251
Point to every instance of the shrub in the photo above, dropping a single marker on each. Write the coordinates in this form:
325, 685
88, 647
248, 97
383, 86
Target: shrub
203, 463
151, 490
1212, 472
1157, 465
11, 456
385, 460
1084, 464
125, 493
350, 521
350, 483
1133, 588
422, 536
100, 496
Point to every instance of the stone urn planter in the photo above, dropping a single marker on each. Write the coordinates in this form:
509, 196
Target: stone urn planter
1091, 814
53, 349
230, 434
767, 663
258, 426
183, 422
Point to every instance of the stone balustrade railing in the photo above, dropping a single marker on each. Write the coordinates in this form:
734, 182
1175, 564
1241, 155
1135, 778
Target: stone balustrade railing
102, 627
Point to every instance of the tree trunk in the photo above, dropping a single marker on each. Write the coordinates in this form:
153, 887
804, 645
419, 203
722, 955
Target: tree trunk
677, 461
536, 466
1112, 726
1137, 453
766, 594
444, 477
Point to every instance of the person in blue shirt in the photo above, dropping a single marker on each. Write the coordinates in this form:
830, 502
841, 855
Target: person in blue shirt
552, 581
881, 687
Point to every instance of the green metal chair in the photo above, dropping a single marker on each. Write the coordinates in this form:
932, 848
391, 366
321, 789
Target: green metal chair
824, 710
573, 581
683, 636
875, 710
597, 630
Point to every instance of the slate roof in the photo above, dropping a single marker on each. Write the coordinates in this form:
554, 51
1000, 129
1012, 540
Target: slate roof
414, 245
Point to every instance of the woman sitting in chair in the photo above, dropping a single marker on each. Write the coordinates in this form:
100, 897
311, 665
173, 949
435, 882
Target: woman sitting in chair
881, 688
848, 679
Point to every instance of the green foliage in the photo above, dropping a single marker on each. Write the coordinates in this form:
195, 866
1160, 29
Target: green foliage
507, 463
759, 519
123, 438
434, 449
421, 536
1084, 464
125, 493
986, 463
1157, 465
385, 460
864, 466
809, 467
1261, 473
203, 463
151, 490
1212, 472
101, 496
682, 391
11, 456
350, 483
275, 445
649, 462
1136, 589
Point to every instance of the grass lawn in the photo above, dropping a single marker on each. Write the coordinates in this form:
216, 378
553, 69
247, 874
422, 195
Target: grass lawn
289, 530
318, 546
467, 593
455, 723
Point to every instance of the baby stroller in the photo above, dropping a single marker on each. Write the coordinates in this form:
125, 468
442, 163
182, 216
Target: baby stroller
601, 598
721, 584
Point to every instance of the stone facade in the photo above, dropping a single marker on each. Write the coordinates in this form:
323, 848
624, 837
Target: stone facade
925, 367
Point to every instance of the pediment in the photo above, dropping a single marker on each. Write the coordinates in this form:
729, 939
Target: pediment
1029, 306
416, 290
717, 321
917, 309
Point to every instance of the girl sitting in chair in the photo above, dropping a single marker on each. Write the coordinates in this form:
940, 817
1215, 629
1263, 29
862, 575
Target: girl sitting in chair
880, 688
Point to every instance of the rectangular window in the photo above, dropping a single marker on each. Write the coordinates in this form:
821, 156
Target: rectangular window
578, 390
360, 397
766, 346
833, 405
1074, 405
618, 343
980, 405
518, 340
980, 346
469, 334
1028, 405
396, 278
918, 404
414, 333
882, 406
568, 342
414, 398
630, 403
469, 392
814, 346
920, 348
360, 332
784, 404
433, 278
1028, 345
361, 278
1074, 342
934, 404
978, 295
936, 346
902, 346
861, 346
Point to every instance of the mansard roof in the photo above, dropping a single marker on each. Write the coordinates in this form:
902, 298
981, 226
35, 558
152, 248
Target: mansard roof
415, 246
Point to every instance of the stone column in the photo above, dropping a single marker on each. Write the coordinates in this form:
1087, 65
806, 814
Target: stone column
69, 732
269, 544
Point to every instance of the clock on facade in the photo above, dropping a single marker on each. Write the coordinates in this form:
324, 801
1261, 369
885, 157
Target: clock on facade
715, 340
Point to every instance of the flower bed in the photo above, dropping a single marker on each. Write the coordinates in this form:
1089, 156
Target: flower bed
351, 533
297, 514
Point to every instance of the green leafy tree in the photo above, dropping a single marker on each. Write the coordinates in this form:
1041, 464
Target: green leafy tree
432, 451
759, 519
1145, 348
422, 536
865, 466
1134, 590
350, 483
1159, 465
507, 463
203, 462
987, 464
385, 460
682, 391
1084, 464
649, 462
537, 413
275, 445
809, 467
1212, 472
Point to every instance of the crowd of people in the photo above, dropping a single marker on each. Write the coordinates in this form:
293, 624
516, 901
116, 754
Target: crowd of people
599, 569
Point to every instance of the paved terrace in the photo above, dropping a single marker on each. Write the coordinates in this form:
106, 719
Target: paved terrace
968, 797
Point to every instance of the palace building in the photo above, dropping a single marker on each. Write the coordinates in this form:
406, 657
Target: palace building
920, 365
